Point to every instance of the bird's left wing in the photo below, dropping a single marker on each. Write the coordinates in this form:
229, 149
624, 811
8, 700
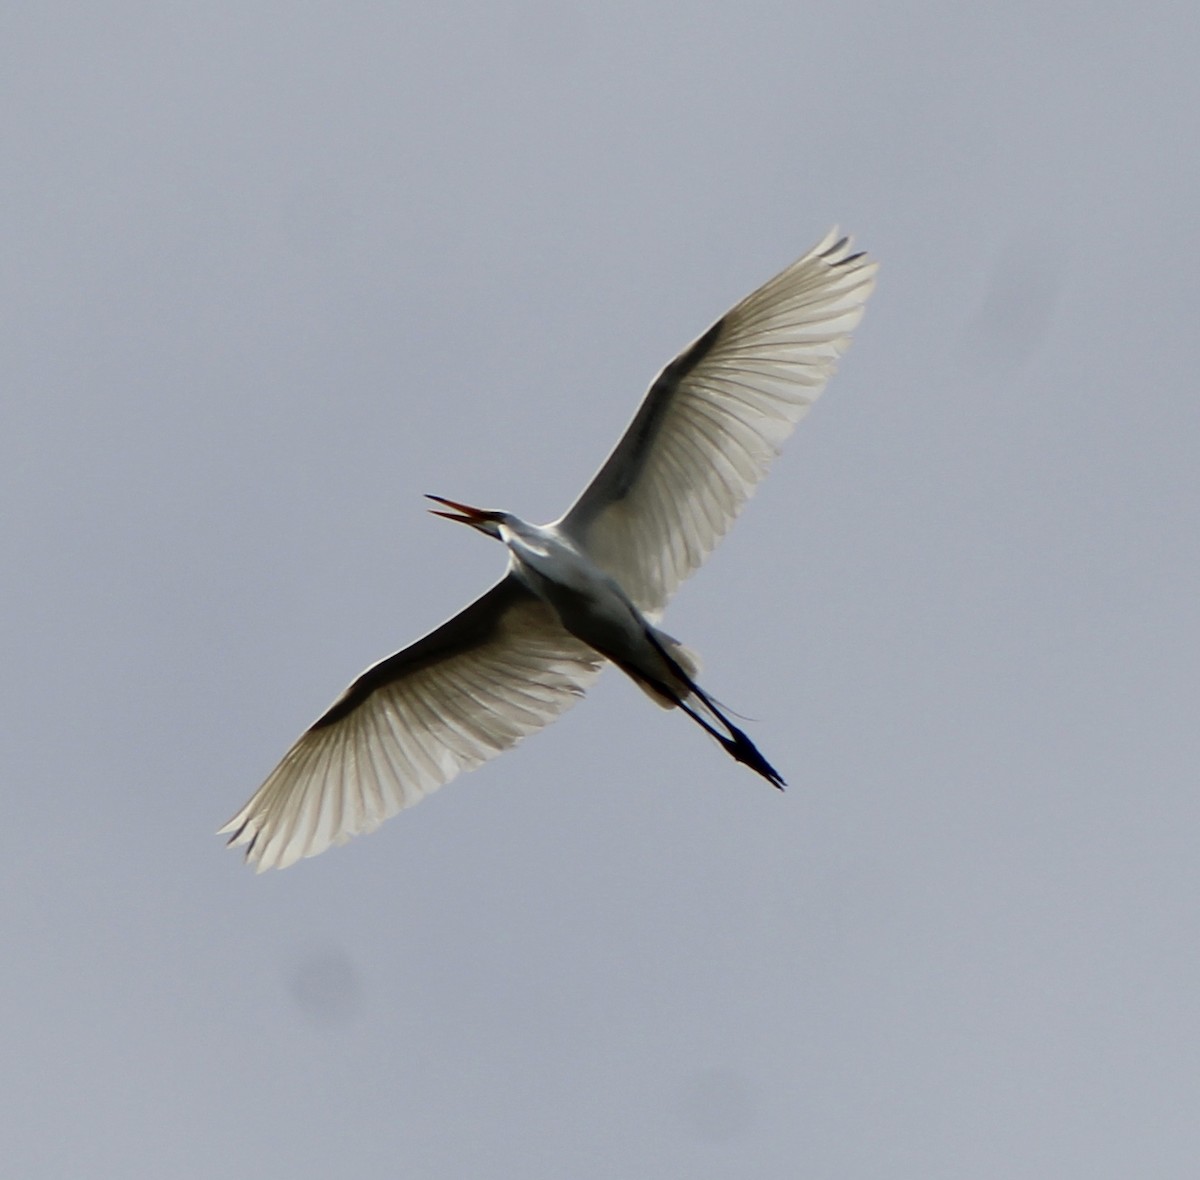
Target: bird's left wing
499, 670
713, 421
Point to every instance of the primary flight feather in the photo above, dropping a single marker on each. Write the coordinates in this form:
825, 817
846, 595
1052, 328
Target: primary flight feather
585, 590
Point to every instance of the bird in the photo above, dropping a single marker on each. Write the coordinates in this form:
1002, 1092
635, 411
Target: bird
584, 591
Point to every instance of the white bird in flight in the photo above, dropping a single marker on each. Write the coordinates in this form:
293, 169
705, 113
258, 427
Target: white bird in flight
586, 589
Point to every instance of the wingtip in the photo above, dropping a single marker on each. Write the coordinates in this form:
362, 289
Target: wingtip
837, 249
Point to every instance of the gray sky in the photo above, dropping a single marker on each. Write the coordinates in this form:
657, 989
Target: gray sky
270, 272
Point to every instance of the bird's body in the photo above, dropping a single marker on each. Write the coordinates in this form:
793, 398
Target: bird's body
587, 589
590, 604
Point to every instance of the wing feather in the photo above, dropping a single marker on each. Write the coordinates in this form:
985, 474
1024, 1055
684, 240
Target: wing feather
714, 420
501, 669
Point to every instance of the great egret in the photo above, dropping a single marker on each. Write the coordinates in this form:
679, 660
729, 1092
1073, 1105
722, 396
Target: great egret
587, 589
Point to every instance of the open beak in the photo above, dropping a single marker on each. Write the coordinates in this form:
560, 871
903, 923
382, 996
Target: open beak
463, 513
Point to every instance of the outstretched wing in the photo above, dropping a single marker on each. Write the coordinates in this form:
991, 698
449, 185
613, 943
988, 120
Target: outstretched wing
499, 670
713, 421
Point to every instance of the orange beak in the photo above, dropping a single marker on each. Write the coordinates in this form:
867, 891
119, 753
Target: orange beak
463, 513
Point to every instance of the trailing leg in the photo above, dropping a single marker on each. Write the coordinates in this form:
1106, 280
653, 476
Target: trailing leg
738, 745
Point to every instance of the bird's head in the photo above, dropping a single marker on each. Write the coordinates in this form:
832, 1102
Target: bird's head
483, 519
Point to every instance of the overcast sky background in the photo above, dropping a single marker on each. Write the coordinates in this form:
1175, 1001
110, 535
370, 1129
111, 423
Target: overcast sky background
271, 272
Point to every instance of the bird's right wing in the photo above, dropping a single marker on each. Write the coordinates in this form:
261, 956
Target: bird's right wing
713, 421
500, 669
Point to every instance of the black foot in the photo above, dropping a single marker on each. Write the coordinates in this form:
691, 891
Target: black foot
746, 752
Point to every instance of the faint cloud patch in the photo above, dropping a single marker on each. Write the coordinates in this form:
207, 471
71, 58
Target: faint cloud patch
719, 1105
1014, 318
326, 988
